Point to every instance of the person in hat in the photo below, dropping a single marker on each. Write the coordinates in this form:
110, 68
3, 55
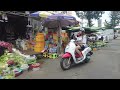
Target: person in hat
82, 38
81, 42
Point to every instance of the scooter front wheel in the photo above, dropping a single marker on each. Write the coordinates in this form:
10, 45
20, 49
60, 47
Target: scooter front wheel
65, 63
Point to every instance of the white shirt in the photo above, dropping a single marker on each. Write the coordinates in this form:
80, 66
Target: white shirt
79, 38
83, 39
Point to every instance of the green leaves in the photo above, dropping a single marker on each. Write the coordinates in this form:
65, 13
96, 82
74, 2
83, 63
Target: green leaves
11, 56
114, 19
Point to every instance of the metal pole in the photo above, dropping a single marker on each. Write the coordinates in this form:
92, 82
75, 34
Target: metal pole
60, 39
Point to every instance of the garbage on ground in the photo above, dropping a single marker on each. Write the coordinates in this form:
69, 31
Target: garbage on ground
35, 66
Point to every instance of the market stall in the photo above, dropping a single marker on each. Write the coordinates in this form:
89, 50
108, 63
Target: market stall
35, 35
13, 29
13, 59
58, 21
95, 38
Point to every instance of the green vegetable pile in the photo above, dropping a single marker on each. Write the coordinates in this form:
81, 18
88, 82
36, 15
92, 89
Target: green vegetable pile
12, 56
8, 70
101, 44
31, 61
97, 44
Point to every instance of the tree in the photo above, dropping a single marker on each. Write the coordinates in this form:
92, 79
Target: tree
114, 19
80, 14
89, 15
107, 25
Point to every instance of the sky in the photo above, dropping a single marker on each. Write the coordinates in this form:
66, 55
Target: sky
104, 17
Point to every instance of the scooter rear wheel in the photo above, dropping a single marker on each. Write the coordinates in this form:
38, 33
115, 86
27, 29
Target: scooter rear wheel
65, 63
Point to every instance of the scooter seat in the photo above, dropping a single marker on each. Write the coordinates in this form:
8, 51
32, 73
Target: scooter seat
77, 55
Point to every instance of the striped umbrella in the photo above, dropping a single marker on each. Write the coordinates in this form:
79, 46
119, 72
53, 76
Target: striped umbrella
40, 14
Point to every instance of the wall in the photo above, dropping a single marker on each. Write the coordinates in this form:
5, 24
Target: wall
110, 33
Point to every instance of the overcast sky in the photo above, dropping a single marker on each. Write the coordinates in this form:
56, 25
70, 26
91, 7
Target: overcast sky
104, 17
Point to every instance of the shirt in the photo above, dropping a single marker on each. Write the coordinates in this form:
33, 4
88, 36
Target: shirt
84, 39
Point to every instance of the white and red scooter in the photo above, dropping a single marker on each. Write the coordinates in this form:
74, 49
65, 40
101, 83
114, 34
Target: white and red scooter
70, 58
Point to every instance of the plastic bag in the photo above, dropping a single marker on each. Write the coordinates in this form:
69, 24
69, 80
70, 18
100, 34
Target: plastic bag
24, 67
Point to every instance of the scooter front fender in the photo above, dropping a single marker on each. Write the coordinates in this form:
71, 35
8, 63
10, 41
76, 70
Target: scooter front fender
66, 55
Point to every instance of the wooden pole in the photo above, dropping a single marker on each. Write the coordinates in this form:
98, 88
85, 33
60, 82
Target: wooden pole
59, 35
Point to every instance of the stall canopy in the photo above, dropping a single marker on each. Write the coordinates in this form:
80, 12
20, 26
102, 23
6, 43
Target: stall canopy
93, 28
40, 14
61, 20
89, 30
74, 29
117, 28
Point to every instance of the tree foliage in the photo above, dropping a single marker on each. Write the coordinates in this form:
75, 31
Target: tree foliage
80, 14
89, 15
114, 19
